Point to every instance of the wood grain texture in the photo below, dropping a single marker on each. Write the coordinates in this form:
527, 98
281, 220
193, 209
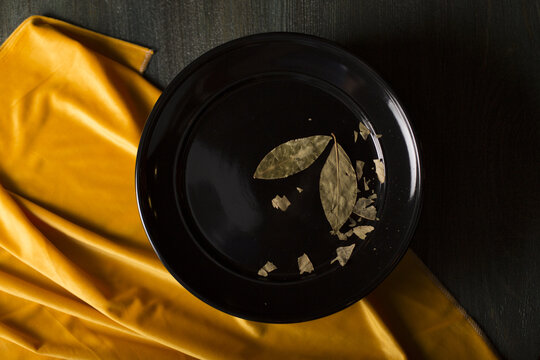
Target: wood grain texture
468, 73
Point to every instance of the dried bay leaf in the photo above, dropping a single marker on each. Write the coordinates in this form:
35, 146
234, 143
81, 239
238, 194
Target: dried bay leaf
355, 135
364, 131
337, 187
291, 157
362, 230
343, 254
359, 169
268, 267
305, 265
281, 203
299, 189
378, 136
372, 196
379, 169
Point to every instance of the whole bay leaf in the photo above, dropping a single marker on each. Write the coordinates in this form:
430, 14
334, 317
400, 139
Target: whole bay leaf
337, 187
291, 157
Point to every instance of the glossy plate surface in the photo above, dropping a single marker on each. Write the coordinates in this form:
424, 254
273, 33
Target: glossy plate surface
213, 225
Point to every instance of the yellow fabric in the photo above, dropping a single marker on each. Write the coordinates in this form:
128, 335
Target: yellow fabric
79, 279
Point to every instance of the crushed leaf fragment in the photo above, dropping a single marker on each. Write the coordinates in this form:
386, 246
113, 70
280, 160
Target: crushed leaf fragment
305, 265
343, 254
363, 209
355, 135
362, 230
378, 136
379, 169
362, 203
364, 131
366, 184
281, 202
359, 169
369, 213
342, 236
268, 267
299, 189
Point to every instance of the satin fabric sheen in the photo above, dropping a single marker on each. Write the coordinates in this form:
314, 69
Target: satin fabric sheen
78, 277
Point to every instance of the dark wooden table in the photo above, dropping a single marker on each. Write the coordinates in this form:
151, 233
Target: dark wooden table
468, 73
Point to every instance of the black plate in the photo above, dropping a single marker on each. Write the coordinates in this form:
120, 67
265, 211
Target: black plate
213, 225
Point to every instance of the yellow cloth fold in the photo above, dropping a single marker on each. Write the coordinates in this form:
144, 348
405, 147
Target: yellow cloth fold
79, 279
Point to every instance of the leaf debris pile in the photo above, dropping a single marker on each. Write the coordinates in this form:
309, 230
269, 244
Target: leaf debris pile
338, 187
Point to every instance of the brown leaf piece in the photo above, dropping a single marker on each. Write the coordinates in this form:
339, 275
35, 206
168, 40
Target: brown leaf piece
291, 157
355, 135
364, 131
378, 136
343, 254
299, 189
362, 203
369, 213
339, 234
379, 169
362, 230
337, 187
342, 236
352, 222
366, 184
268, 267
359, 169
281, 203
362, 209
305, 265
372, 196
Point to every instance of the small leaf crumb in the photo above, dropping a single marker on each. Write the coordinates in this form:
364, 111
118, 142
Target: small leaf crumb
281, 203
305, 265
355, 135
343, 254
359, 169
267, 268
299, 189
362, 231
364, 131
341, 236
369, 213
366, 184
379, 169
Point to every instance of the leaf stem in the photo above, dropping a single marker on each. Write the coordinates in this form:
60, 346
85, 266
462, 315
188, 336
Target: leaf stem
336, 192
